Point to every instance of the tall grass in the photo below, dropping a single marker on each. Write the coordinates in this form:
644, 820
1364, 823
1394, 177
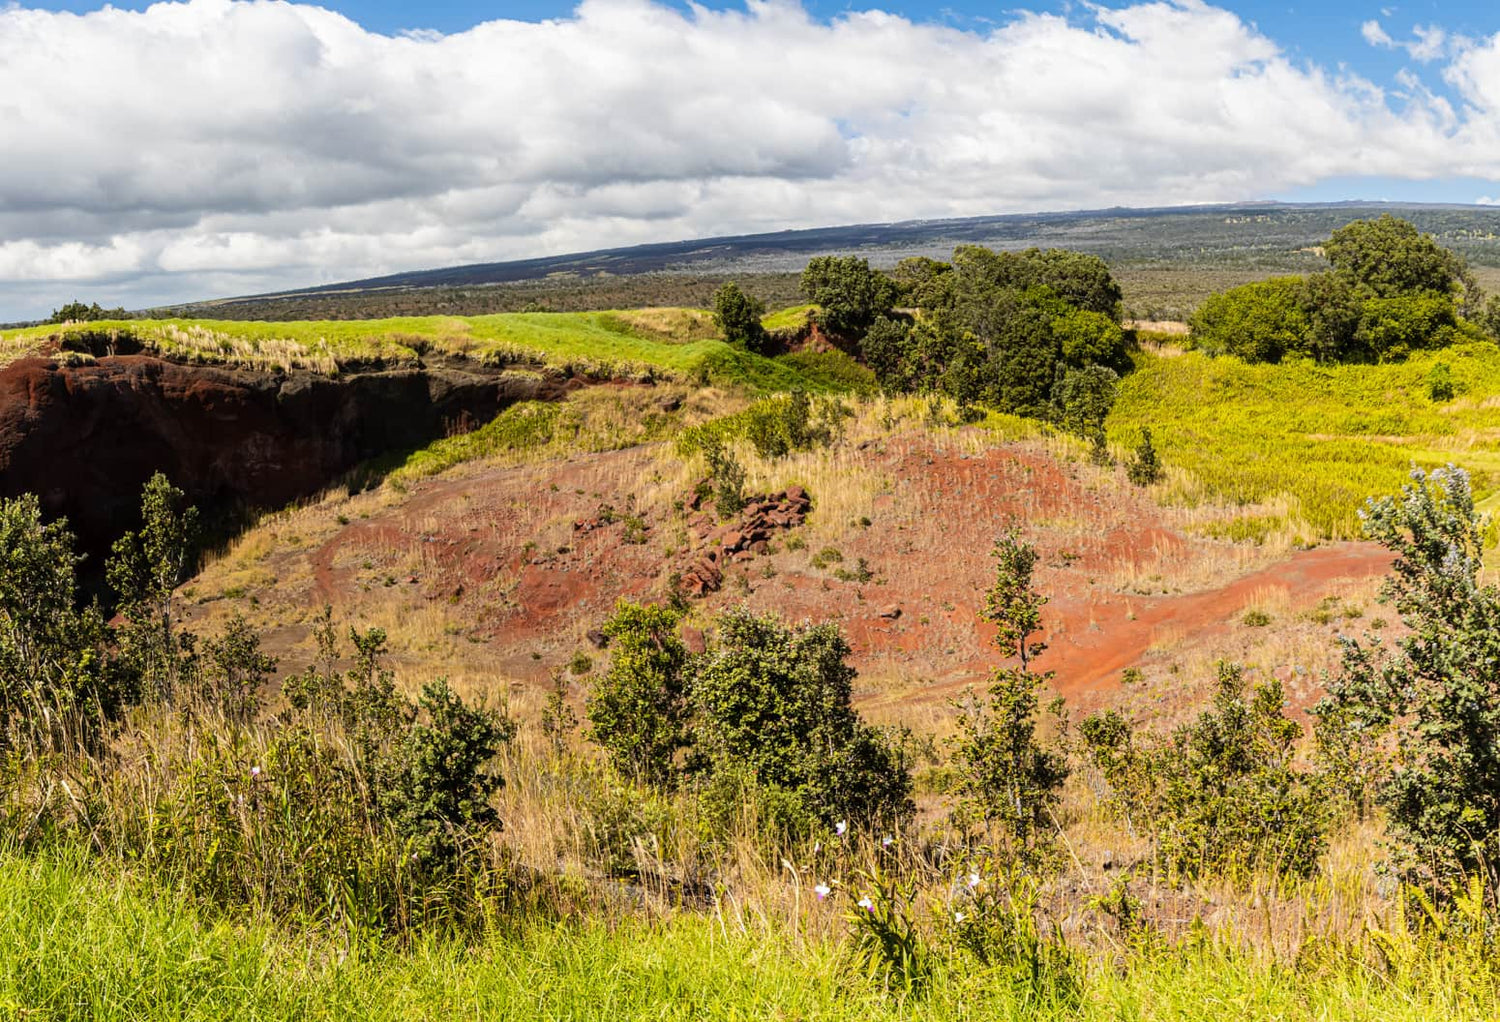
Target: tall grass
1319, 438
79, 942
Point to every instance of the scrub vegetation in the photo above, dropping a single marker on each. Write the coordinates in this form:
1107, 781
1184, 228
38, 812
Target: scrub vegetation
702, 821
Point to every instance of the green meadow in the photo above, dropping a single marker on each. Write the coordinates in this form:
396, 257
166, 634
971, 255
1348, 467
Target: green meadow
673, 343
1318, 439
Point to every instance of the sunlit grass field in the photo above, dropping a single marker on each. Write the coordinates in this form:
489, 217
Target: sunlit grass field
79, 942
1316, 439
676, 343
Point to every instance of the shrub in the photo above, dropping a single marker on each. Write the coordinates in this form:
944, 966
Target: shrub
439, 788
56, 685
1144, 468
773, 704
1392, 328
233, 669
727, 477
1259, 322
1220, 796
737, 316
638, 711
1440, 382
1433, 693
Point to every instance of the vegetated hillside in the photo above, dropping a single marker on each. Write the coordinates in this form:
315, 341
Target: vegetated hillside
1311, 441
672, 342
250, 416
490, 558
1167, 259
700, 654
225, 798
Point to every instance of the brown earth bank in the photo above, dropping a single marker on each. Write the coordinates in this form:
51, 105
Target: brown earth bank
85, 437
497, 575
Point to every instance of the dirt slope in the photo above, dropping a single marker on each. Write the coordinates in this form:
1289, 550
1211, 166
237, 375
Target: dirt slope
496, 575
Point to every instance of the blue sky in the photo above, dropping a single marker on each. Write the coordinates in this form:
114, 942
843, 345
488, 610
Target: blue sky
208, 147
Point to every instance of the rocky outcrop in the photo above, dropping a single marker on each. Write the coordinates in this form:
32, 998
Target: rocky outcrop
746, 535
85, 437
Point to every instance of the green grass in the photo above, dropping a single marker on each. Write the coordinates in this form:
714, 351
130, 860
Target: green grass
1324, 438
77, 942
793, 318
669, 342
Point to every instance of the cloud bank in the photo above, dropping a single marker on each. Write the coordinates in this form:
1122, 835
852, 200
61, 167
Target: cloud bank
225, 146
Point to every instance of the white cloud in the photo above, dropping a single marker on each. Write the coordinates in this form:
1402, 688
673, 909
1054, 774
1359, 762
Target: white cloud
1428, 42
1375, 35
214, 146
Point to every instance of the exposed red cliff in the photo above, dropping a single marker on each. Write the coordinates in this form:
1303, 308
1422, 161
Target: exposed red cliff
86, 437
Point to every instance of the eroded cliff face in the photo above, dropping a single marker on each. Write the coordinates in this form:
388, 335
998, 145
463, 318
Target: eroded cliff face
85, 438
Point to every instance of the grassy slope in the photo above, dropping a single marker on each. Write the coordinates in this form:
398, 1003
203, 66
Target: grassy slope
75, 944
1329, 436
679, 343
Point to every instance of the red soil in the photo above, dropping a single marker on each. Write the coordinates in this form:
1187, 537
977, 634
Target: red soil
497, 551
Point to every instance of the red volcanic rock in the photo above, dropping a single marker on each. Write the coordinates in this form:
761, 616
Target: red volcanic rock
746, 537
85, 438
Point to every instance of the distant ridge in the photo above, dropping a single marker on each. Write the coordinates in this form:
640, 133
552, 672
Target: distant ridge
1118, 233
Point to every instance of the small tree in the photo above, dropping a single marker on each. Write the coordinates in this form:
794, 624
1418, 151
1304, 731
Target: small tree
1434, 693
1008, 779
439, 787
144, 568
234, 669
638, 711
737, 316
1144, 468
727, 476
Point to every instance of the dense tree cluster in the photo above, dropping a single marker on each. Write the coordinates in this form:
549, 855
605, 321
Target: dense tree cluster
1035, 333
761, 717
1390, 290
77, 312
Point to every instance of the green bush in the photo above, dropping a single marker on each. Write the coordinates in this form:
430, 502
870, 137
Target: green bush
1144, 468
773, 704
638, 710
58, 687
1440, 382
1392, 328
1219, 797
737, 316
1259, 322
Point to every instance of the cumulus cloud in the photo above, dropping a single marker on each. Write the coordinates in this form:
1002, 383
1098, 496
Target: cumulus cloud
215, 146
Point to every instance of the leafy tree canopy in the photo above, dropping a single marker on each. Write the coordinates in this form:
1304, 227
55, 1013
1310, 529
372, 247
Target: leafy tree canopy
76, 312
849, 293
